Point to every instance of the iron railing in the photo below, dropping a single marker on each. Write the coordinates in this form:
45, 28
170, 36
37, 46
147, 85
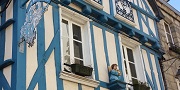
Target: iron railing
98, 1
124, 9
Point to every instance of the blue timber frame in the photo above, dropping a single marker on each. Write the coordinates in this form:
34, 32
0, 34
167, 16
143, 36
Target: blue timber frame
19, 67
153, 82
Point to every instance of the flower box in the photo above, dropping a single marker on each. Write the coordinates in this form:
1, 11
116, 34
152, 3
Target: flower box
140, 87
81, 70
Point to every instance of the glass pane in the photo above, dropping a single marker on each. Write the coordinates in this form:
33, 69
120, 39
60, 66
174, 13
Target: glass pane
66, 47
125, 67
65, 31
133, 70
78, 61
130, 55
123, 52
76, 32
166, 27
169, 38
78, 50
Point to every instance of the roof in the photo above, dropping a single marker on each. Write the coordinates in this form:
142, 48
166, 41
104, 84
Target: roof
156, 9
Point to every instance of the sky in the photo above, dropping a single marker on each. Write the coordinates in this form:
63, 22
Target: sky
175, 4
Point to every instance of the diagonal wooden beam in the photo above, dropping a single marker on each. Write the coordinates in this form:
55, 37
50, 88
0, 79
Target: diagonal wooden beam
6, 63
6, 24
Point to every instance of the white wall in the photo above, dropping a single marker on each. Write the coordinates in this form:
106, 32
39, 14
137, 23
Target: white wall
155, 71
70, 85
111, 47
106, 6
49, 27
87, 87
146, 63
100, 54
8, 42
51, 83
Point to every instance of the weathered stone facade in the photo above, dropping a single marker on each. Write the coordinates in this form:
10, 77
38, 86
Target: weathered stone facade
171, 61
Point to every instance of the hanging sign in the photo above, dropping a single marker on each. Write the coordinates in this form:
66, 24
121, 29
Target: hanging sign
34, 13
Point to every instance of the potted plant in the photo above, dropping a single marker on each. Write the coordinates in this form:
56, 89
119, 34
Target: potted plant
138, 85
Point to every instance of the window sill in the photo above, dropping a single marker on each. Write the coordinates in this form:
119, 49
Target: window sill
95, 4
79, 79
124, 20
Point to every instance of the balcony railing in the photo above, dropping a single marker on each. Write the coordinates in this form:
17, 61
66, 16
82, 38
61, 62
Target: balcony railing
124, 9
174, 48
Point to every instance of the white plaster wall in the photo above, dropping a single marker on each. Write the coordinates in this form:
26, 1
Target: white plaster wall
145, 29
31, 62
87, 88
155, 71
151, 24
100, 55
111, 46
8, 43
70, 85
50, 70
49, 27
101, 88
106, 6
36, 87
150, 7
136, 19
146, 63
142, 5
75, 7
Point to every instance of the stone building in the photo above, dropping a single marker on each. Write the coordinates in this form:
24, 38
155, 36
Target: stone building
70, 45
169, 33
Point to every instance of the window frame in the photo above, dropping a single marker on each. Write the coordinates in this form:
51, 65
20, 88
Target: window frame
135, 46
129, 79
178, 83
170, 33
71, 39
84, 23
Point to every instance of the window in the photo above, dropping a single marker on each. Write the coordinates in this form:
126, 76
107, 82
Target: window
72, 43
169, 37
178, 84
76, 47
129, 66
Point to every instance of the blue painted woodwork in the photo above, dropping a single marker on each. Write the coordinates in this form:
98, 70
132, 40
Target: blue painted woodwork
87, 10
6, 24
3, 83
18, 77
6, 63
117, 85
41, 49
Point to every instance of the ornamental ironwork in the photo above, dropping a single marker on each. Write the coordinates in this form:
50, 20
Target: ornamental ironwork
34, 14
124, 9
98, 1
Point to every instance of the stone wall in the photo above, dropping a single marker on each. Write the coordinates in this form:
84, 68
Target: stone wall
171, 66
